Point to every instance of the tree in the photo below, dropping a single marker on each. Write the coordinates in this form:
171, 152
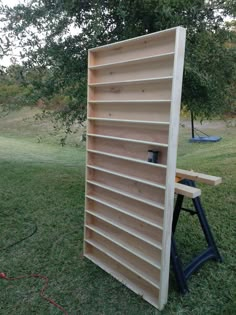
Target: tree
15, 93
55, 35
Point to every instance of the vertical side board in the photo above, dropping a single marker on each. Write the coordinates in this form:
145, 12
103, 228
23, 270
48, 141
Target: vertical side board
171, 160
134, 94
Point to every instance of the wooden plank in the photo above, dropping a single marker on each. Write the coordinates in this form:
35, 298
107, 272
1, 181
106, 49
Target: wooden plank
151, 143
152, 37
122, 175
142, 82
129, 242
129, 279
139, 267
187, 191
128, 151
122, 193
133, 74
145, 122
134, 102
130, 186
126, 212
150, 133
122, 218
90, 78
142, 111
134, 61
145, 172
171, 160
127, 158
128, 230
143, 48
130, 249
199, 177
147, 212
151, 90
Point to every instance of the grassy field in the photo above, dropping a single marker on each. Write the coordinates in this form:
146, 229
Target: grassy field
42, 183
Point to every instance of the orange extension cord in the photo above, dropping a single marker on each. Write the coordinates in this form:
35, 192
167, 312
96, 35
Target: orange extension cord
3, 276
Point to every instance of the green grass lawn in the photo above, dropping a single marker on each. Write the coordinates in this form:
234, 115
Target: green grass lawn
43, 183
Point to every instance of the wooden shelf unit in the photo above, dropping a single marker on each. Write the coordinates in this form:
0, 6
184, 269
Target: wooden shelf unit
133, 107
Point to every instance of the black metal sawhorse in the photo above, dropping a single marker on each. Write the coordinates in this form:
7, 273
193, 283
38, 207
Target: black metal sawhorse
183, 273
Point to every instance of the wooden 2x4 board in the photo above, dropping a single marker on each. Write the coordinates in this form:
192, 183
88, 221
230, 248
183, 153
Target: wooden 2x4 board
134, 95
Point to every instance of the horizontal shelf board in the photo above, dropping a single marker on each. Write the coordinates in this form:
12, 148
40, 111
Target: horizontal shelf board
134, 40
129, 101
132, 61
129, 249
147, 182
122, 262
129, 140
165, 123
119, 209
121, 278
122, 193
126, 229
131, 82
128, 159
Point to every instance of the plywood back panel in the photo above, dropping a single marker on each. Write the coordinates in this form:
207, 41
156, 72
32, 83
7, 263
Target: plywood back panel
134, 94
141, 90
155, 67
136, 152
140, 111
128, 130
142, 47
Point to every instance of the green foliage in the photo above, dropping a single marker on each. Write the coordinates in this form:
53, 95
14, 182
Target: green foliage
14, 92
55, 36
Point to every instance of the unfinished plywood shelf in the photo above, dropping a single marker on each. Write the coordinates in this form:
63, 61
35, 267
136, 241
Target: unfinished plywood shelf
136, 179
129, 230
115, 101
133, 107
128, 140
131, 214
126, 259
125, 194
130, 279
136, 61
123, 244
130, 82
163, 123
126, 158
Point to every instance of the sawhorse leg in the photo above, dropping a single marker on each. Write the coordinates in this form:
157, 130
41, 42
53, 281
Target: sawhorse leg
183, 273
